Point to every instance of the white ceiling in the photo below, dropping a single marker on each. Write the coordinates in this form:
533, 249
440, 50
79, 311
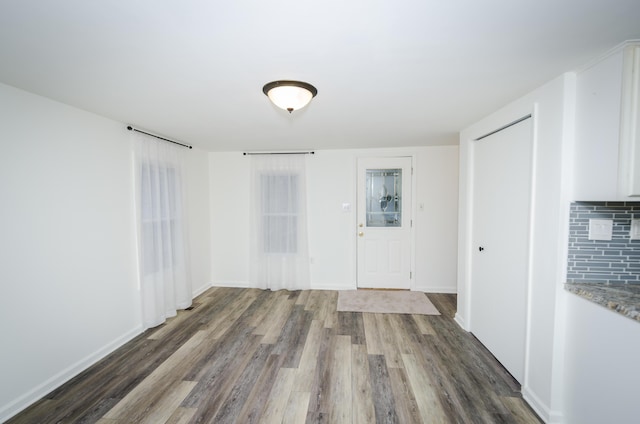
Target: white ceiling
388, 73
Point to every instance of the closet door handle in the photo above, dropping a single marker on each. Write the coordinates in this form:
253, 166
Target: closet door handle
480, 248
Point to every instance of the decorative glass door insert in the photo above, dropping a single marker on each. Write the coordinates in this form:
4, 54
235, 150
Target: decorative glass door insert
384, 197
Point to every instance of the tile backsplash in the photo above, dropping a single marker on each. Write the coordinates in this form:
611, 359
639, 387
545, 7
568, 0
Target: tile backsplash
615, 261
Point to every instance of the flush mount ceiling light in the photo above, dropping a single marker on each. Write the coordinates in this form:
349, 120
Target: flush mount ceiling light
289, 95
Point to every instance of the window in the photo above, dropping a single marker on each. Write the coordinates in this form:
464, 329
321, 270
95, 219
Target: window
159, 203
280, 209
279, 254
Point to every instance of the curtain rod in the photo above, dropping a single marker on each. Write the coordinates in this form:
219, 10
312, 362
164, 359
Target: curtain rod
278, 153
130, 128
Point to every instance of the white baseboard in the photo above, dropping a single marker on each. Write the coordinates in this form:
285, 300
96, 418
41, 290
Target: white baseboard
22, 402
337, 287
334, 286
460, 321
443, 289
201, 290
540, 408
246, 285
235, 284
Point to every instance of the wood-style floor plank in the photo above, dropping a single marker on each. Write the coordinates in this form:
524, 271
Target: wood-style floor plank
148, 394
262, 390
168, 404
423, 324
257, 356
297, 408
340, 381
272, 327
424, 391
390, 348
372, 334
384, 400
279, 395
181, 415
320, 400
231, 408
232, 312
293, 337
406, 405
309, 357
362, 399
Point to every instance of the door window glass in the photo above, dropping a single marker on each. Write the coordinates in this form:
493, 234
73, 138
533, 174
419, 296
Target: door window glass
384, 197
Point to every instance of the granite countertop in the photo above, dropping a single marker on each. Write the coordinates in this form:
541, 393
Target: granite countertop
621, 298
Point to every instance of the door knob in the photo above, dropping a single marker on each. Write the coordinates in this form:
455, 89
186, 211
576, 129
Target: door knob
361, 233
480, 248
361, 225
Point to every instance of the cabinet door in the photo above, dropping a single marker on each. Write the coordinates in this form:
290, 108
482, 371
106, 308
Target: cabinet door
629, 173
596, 154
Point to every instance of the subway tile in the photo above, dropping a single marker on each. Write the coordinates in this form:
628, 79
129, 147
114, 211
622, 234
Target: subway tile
616, 268
630, 278
591, 279
593, 265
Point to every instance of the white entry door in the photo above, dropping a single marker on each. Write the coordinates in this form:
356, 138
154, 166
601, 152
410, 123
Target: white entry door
501, 220
384, 223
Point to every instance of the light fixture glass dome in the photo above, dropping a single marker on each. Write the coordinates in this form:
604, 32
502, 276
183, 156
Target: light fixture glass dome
290, 95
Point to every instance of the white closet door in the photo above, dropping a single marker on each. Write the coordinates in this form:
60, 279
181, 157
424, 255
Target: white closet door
501, 221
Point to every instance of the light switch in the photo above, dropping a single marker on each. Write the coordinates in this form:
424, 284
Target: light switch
634, 233
600, 229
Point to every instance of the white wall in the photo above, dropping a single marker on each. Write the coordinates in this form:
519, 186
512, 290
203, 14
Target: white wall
552, 106
229, 211
197, 164
602, 370
437, 225
331, 181
331, 178
67, 243
68, 269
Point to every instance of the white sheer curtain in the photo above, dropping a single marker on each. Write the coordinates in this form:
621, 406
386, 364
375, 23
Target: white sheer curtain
279, 256
165, 282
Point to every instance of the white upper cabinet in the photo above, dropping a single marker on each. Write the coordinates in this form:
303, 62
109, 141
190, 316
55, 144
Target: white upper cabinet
629, 172
607, 148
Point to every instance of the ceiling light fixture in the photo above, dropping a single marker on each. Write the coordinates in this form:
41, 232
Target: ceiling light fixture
289, 95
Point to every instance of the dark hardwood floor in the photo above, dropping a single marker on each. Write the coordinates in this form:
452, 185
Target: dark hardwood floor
247, 355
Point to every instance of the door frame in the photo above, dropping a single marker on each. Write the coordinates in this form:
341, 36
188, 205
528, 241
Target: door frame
412, 208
